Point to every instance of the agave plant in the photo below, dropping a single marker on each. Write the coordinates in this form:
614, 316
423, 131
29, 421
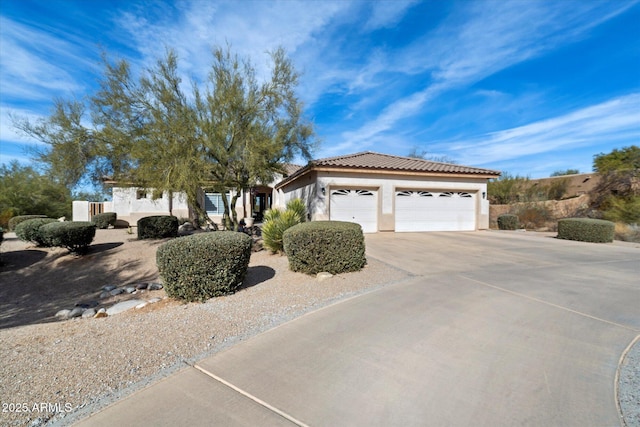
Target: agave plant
277, 221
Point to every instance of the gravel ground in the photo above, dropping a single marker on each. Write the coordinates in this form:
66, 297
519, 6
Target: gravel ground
629, 386
76, 366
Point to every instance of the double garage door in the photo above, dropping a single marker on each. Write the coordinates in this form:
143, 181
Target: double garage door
414, 210
435, 211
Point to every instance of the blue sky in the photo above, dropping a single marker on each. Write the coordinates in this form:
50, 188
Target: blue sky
528, 87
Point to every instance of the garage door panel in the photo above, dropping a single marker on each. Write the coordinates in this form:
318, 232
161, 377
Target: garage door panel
435, 211
359, 206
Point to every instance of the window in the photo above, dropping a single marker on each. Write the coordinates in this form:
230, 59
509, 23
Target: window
141, 194
213, 203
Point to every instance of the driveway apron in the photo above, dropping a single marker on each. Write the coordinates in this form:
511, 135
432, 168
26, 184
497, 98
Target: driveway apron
492, 329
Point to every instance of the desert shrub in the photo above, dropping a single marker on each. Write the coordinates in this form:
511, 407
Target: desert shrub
73, 235
557, 189
586, 230
271, 215
273, 230
533, 215
625, 210
29, 230
332, 246
298, 207
507, 189
157, 227
276, 222
6, 214
13, 222
627, 232
508, 222
206, 265
104, 220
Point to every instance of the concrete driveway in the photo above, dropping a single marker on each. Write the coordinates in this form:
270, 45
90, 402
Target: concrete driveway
491, 329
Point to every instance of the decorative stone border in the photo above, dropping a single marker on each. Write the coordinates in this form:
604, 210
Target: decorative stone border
90, 309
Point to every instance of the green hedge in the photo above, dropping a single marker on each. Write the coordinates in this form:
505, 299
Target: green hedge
586, 230
205, 265
13, 222
29, 230
157, 227
75, 236
104, 220
508, 222
331, 246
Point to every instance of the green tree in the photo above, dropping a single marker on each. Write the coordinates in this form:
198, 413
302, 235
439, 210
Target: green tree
229, 135
249, 129
617, 195
626, 159
565, 172
24, 191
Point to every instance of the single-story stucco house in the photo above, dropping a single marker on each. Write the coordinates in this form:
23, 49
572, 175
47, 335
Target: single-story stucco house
378, 191
391, 193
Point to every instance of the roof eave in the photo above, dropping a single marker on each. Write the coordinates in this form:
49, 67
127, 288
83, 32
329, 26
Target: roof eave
311, 167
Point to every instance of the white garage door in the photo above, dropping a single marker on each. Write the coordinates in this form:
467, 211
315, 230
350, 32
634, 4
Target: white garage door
435, 211
360, 206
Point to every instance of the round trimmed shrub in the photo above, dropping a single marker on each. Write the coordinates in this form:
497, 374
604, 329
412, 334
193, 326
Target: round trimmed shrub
29, 230
157, 227
508, 222
205, 265
331, 246
586, 230
73, 235
13, 222
104, 220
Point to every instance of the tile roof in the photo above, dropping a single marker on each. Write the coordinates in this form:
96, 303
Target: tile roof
290, 168
371, 160
385, 162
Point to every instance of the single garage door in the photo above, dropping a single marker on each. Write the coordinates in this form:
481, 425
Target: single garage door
360, 206
435, 211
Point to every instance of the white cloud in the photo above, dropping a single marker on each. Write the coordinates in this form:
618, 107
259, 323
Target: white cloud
478, 40
386, 13
616, 121
251, 28
35, 63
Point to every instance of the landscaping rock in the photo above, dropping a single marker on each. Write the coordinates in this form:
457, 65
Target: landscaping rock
90, 312
109, 288
89, 304
323, 276
104, 295
186, 229
63, 314
155, 286
142, 305
123, 306
141, 286
76, 312
130, 289
100, 314
155, 300
102, 310
116, 291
